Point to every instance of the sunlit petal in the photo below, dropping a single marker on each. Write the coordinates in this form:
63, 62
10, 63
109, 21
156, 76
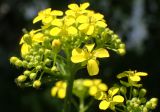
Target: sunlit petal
101, 53
104, 105
92, 67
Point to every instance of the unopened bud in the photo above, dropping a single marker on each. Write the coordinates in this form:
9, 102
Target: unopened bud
54, 69
142, 92
39, 67
27, 72
37, 84
154, 102
135, 92
121, 51
13, 59
145, 109
123, 90
21, 78
56, 43
27, 39
19, 63
33, 76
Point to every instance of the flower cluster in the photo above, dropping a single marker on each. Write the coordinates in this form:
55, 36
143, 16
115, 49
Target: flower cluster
77, 35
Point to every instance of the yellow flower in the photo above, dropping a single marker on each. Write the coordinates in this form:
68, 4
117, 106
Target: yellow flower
76, 10
25, 49
63, 27
59, 89
47, 15
34, 35
89, 55
109, 100
88, 23
95, 85
133, 76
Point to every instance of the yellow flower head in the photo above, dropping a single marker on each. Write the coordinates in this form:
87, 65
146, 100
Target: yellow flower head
63, 27
110, 99
47, 15
89, 23
89, 55
95, 85
133, 76
59, 89
76, 10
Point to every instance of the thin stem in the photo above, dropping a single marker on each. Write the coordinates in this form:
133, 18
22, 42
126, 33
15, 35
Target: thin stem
120, 110
81, 106
70, 79
130, 93
75, 103
89, 104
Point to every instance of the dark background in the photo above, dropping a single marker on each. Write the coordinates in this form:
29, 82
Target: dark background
137, 22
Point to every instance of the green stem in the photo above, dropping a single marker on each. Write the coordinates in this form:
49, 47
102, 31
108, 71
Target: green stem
70, 79
130, 94
81, 106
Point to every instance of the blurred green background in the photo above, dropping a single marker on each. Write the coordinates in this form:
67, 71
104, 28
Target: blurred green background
137, 22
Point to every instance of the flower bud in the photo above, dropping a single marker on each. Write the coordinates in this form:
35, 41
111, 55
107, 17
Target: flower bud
56, 43
24, 63
143, 100
37, 84
121, 51
47, 52
122, 46
13, 59
135, 92
39, 67
33, 76
41, 50
27, 72
145, 109
47, 61
149, 105
123, 90
54, 69
27, 39
142, 92
154, 102
21, 78
19, 63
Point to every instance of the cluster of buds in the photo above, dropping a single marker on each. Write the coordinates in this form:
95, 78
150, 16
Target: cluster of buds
140, 105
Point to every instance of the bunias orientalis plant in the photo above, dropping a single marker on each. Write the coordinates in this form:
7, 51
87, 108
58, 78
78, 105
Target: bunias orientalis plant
68, 42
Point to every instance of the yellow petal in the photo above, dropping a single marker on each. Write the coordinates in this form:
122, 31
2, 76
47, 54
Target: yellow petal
87, 82
121, 75
101, 24
69, 21
93, 90
61, 93
38, 37
102, 87
24, 49
54, 91
90, 30
134, 78
82, 19
57, 13
57, 22
84, 6
118, 98
97, 81
100, 95
101, 53
36, 19
55, 31
104, 105
73, 6
141, 74
47, 20
83, 26
113, 90
72, 30
70, 13
92, 67
78, 55
89, 47
98, 16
